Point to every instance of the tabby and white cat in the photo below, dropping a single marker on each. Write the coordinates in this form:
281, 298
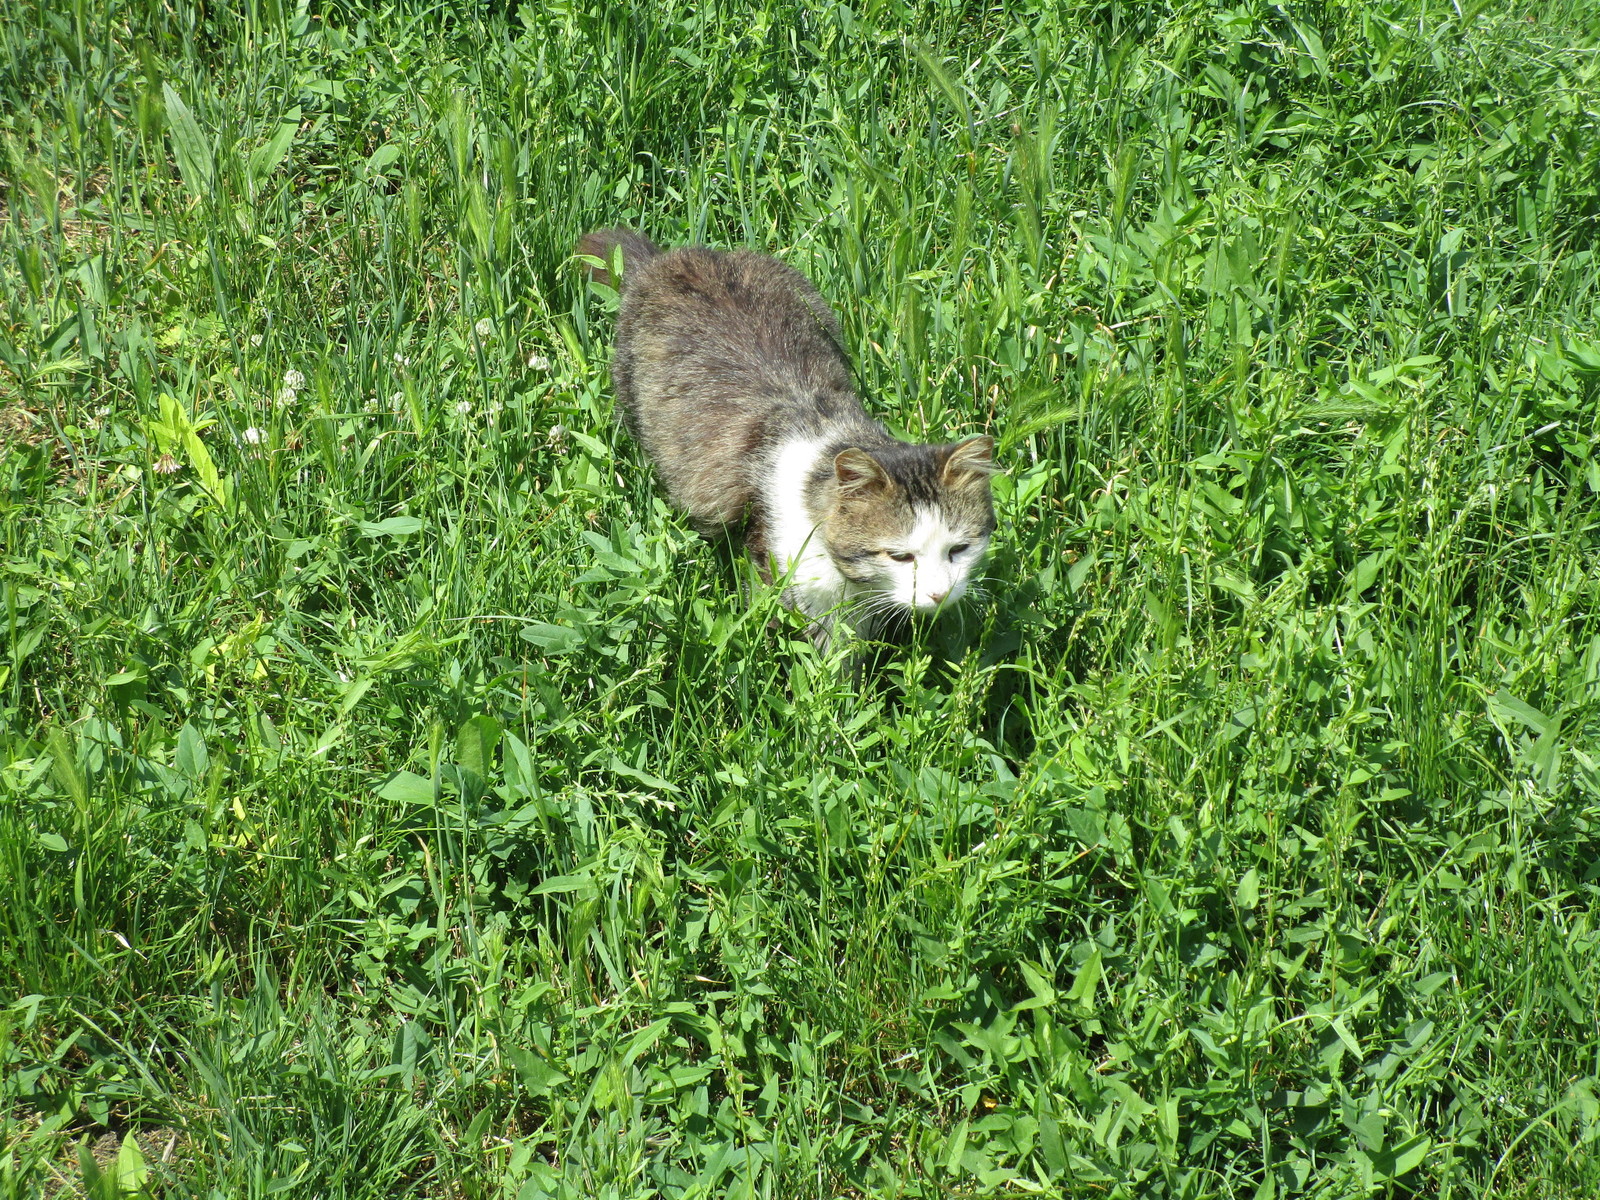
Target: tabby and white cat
731, 371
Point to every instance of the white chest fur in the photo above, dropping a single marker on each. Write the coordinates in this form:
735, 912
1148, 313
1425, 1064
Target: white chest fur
815, 586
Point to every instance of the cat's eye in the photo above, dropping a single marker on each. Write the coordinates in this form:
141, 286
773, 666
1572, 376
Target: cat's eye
900, 556
960, 548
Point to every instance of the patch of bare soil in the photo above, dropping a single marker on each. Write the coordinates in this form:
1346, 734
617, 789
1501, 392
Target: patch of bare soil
160, 1147
20, 425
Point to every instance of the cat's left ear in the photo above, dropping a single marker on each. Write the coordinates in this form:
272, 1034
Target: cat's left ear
970, 462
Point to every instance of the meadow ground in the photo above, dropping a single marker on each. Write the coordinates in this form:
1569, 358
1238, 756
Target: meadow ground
397, 799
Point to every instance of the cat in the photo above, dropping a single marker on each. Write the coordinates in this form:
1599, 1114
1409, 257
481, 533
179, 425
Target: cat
731, 372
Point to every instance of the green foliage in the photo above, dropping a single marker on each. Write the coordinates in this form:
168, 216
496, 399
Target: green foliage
396, 798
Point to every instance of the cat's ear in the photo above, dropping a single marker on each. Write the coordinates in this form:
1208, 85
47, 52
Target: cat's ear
970, 462
859, 474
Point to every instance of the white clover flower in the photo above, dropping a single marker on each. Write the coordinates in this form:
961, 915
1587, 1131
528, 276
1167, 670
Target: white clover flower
557, 438
255, 339
286, 398
371, 405
397, 401
464, 407
103, 411
538, 362
167, 465
484, 328
495, 409
293, 379
403, 359
254, 435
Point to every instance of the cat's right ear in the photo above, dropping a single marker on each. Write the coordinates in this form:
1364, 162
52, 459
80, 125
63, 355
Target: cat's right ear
858, 473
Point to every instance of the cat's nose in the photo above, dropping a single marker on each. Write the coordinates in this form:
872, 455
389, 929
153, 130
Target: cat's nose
937, 597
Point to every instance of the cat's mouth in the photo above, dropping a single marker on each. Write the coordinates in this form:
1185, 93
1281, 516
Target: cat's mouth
885, 604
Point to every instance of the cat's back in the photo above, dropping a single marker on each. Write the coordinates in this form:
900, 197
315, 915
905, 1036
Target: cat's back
724, 357
730, 320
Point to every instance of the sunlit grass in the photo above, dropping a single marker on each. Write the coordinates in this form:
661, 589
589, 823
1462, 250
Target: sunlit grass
397, 798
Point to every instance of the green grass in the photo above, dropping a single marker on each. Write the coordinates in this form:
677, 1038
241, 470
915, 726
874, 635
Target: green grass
397, 799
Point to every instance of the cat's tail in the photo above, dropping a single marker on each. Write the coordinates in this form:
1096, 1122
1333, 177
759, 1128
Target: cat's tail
603, 243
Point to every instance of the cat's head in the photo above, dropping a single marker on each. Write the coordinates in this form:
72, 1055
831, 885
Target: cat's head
910, 523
